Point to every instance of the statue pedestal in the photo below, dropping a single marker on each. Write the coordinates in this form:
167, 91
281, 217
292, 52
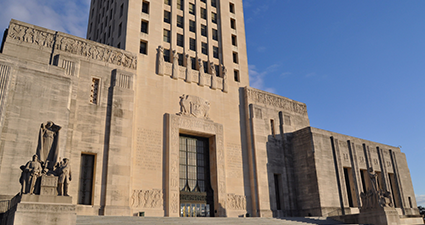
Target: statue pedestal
42, 210
380, 216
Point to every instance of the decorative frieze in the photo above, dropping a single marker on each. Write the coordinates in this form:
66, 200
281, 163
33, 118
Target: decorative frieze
236, 202
266, 98
147, 198
72, 45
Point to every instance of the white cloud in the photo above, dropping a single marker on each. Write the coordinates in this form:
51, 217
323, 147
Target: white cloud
60, 15
256, 78
420, 200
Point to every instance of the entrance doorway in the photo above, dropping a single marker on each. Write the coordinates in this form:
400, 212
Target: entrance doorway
196, 194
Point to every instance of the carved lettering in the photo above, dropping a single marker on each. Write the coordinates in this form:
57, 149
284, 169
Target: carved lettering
266, 98
149, 149
234, 161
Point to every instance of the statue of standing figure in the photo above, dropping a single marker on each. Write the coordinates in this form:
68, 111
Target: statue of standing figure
30, 172
48, 144
64, 173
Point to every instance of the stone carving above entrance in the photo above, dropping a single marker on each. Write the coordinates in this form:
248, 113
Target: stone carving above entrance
376, 197
194, 106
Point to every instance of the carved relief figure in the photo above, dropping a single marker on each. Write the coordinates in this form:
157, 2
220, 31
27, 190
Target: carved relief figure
175, 73
194, 106
225, 85
147, 198
48, 143
213, 77
201, 73
188, 69
64, 173
30, 173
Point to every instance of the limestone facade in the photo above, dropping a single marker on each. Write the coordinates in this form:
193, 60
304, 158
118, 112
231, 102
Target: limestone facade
126, 113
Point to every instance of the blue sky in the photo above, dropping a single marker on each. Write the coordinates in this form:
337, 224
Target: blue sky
357, 64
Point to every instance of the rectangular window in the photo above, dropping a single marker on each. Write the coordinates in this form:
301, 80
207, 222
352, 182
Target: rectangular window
94, 96
205, 48
180, 4
215, 34
167, 17
145, 7
237, 78
204, 30
192, 26
192, 43
203, 13
143, 47
234, 40
167, 36
180, 21
277, 190
232, 8
193, 63
272, 128
180, 40
144, 28
181, 59
205, 66
119, 45
217, 70
214, 17
235, 57
233, 24
85, 189
192, 9
215, 52
167, 55
351, 192
167, 2
204, 1
394, 190
121, 10
119, 29
214, 3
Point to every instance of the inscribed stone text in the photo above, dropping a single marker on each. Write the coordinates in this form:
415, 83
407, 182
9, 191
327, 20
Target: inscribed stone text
280, 102
149, 149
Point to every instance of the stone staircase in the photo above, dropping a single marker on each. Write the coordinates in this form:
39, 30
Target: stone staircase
120, 220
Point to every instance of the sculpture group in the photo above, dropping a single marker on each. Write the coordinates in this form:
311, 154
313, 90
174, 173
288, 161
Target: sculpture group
45, 163
376, 197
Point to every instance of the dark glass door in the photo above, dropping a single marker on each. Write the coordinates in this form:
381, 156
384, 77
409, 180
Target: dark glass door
196, 195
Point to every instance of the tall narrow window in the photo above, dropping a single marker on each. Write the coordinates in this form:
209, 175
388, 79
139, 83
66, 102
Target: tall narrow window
167, 36
94, 96
236, 74
215, 34
180, 21
235, 57
143, 47
272, 128
234, 40
214, 17
192, 9
193, 63
215, 52
192, 26
145, 7
203, 30
277, 191
167, 55
214, 3
203, 13
233, 24
180, 40
350, 187
85, 189
205, 48
167, 2
119, 29
180, 4
181, 59
167, 17
192, 44
205, 66
144, 28
122, 10
394, 190
232, 7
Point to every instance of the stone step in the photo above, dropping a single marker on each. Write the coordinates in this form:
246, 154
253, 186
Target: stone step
122, 220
